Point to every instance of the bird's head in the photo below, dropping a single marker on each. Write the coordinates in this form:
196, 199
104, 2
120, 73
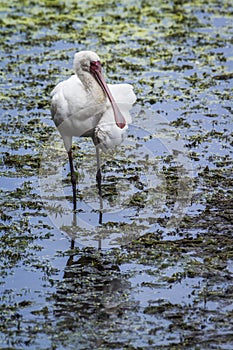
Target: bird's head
83, 61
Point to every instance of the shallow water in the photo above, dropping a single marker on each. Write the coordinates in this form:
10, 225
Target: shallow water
163, 277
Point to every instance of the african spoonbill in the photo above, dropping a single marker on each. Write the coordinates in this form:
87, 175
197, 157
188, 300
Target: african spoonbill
84, 105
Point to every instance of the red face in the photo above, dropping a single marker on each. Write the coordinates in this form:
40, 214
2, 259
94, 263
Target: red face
96, 71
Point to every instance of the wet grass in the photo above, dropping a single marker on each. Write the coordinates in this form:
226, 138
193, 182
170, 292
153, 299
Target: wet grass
167, 281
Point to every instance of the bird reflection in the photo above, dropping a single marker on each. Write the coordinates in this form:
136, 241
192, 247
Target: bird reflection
92, 287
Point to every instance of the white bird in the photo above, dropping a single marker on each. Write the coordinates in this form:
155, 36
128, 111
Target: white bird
84, 105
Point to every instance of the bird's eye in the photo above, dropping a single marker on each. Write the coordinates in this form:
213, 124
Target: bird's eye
95, 66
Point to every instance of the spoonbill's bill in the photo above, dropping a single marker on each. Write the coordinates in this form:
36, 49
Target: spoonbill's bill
84, 105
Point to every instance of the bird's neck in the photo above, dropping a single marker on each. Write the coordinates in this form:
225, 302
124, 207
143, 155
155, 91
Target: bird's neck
91, 86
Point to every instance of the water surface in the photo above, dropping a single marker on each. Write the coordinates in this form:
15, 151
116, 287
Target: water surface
163, 278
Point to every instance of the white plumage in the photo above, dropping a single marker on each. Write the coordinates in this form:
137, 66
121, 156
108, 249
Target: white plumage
84, 105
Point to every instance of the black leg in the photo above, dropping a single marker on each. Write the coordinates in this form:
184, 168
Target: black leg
98, 179
98, 174
72, 244
73, 178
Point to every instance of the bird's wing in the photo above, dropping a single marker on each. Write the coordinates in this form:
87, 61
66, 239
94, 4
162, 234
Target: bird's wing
123, 94
67, 96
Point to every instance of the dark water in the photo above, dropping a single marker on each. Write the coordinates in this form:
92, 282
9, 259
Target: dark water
164, 276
